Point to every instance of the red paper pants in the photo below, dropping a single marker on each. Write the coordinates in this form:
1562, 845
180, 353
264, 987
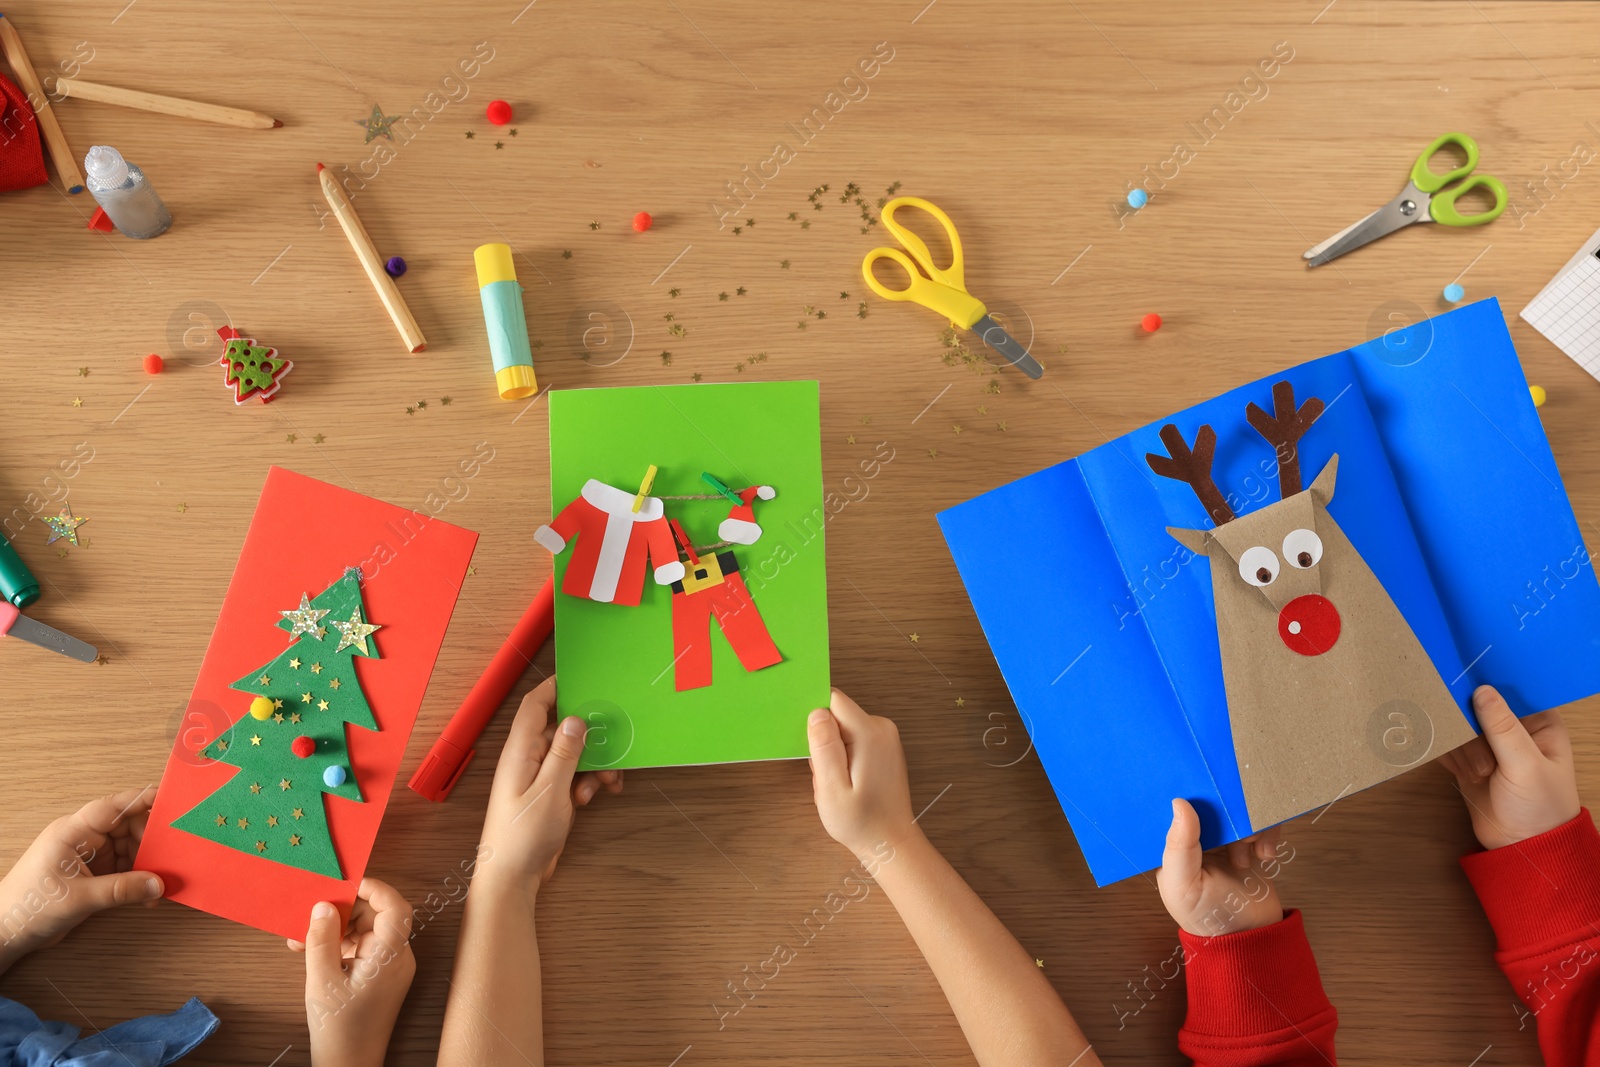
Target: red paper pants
741, 623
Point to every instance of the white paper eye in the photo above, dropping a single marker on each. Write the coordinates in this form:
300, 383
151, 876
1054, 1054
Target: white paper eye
1302, 548
1258, 565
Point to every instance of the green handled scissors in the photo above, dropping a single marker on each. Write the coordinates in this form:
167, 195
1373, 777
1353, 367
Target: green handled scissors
1424, 199
942, 289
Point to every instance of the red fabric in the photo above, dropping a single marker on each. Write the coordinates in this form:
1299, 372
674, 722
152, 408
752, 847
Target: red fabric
741, 623
1255, 998
613, 541
1542, 897
21, 154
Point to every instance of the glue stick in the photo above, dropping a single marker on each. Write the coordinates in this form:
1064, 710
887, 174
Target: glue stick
508, 328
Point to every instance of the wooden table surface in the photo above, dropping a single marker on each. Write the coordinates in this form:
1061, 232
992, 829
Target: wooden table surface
1027, 122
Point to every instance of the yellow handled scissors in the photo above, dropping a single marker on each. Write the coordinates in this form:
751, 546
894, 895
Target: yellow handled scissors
942, 288
1424, 199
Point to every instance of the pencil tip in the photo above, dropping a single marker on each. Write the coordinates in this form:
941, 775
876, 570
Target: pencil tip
277, 123
319, 168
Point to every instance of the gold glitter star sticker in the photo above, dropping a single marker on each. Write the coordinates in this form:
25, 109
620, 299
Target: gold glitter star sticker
64, 525
322, 705
255, 739
283, 784
305, 618
272, 820
354, 633
316, 668
298, 812
378, 124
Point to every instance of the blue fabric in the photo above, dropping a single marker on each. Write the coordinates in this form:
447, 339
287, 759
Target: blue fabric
1103, 626
151, 1041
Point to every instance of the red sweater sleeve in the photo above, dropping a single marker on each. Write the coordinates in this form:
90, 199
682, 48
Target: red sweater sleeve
1542, 897
1255, 998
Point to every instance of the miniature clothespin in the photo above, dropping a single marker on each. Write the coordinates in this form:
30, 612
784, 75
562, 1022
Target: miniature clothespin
644, 488
713, 482
683, 541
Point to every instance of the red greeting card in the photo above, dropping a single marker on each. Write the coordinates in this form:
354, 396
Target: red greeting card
299, 719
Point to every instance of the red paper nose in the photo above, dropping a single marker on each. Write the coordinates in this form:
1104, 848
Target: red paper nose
1309, 624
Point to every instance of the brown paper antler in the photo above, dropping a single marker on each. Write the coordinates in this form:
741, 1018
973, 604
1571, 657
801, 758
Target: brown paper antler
1284, 431
1193, 467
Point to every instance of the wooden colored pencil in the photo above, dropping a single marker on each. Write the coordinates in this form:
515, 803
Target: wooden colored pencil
61, 153
166, 105
393, 302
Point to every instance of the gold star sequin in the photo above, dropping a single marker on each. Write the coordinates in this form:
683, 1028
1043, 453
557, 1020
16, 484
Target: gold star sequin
255, 788
297, 812
305, 698
334, 684
77, 401
1038, 963
272, 820
294, 839
354, 633
244, 824
295, 663
305, 618
961, 702
255, 739
263, 680
377, 124
222, 820
915, 639
317, 439
322, 705
294, 716
64, 526
316, 668
222, 746
277, 703
283, 784
850, 440
261, 846
277, 716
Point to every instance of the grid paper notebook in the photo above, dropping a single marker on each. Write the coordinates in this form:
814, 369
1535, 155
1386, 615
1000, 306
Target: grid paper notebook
1567, 311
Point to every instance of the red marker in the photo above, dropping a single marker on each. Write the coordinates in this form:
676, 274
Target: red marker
449, 756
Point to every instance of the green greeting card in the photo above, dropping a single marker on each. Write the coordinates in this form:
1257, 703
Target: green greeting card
691, 618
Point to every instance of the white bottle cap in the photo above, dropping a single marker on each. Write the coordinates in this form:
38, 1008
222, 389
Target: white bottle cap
105, 166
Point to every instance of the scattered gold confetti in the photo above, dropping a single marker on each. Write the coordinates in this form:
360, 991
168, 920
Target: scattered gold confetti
222, 820
283, 784
298, 813
421, 404
696, 376
272, 820
674, 292
499, 144
739, 291
277, 716
844, 296
322, 705
255, 787
294, 716
295, 663
866, 420
334, 684
77, 401
182, 508
915, 639
244, 824
1001, 425
255, 739
982, 409
956, 429
933, 453
566, 253
317, 439
1038, 962
261, 846
316, 668
83, 372
276, 703
850, 440
305, 698
722, 296
961, 702
445, 401
666, 358
594, 225
289, 437
471, 571
264, 680
294, 839
783, 265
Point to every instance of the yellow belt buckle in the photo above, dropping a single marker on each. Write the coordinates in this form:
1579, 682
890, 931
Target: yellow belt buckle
702, 575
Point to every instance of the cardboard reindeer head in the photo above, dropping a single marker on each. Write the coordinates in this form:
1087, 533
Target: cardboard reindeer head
1328, 689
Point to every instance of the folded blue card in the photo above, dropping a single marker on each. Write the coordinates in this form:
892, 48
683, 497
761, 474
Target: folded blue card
1446, 488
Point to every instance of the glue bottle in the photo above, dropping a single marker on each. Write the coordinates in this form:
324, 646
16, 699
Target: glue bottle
123, 191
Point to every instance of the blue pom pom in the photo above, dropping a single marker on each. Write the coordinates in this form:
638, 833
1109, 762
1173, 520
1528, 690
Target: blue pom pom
1454, 293
1138, 198
395, 267
333, 777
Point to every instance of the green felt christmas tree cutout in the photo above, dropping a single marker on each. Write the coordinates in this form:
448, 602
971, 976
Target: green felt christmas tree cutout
251, 368
273, 807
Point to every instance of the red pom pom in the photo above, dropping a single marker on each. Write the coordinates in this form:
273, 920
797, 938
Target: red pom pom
1151, 322
498, 112
153, 364
303, 746
642, 221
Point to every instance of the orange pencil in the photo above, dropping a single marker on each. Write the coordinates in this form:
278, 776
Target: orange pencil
393, 302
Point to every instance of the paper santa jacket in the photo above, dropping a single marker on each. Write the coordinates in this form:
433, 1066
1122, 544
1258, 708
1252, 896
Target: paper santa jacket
1108, 640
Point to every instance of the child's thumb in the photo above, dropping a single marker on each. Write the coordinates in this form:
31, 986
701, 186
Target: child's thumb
113, 890
324, 942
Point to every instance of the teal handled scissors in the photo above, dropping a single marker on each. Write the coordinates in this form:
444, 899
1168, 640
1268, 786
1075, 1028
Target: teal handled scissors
1424, 199
942, 289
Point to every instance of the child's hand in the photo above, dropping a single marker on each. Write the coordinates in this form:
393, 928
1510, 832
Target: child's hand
1518, 778
858, 776
536, 794
82, 863
356, 979
1216, 894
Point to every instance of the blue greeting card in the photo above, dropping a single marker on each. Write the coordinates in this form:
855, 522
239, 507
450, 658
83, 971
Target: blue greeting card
1286, 593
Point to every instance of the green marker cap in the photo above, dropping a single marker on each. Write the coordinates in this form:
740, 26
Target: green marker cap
17, 584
